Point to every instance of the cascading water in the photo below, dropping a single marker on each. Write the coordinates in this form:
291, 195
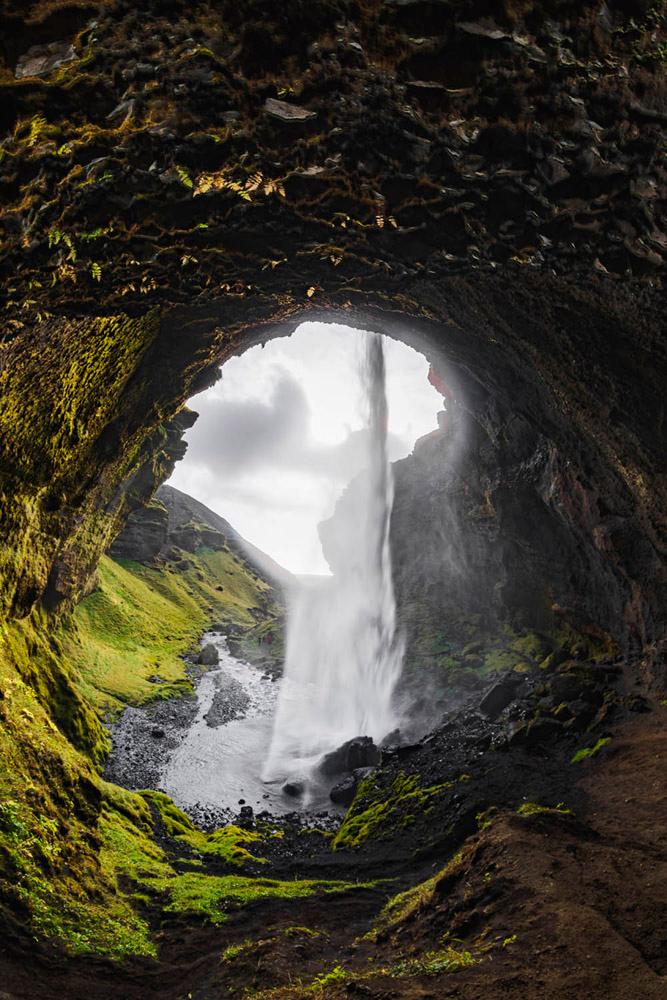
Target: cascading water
344, 656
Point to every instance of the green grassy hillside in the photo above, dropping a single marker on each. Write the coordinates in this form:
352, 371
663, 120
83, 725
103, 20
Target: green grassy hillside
140, 620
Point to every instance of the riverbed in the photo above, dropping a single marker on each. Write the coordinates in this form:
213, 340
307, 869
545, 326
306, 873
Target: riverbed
207, 750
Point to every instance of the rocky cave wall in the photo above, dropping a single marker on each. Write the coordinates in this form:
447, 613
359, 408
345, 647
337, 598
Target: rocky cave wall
485, 183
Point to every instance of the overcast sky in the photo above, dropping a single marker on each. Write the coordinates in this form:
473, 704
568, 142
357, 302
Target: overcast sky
278, 437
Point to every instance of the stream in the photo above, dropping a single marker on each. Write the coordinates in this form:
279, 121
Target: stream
207, 751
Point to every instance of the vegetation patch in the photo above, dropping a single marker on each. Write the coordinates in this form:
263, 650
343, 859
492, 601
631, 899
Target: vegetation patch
406, 905
535, 809
228, 843
141, 620
212, 897
587, 752
376, 810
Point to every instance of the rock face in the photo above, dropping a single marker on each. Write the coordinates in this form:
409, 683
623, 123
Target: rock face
174, 524
145, 534
536, 259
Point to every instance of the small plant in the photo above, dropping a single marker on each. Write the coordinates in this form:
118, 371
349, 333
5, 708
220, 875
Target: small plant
337, 974
535, 809
587, 752
96, 271
184, 177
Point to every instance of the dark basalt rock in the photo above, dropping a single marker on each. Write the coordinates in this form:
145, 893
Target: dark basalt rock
144, 534
499, 696
342, 793
209, 656
355, 753
294, 789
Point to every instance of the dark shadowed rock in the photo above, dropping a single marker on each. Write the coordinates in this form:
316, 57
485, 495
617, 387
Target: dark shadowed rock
293, 788
499, 696
209, 656
144, 534
359, 752
342, 793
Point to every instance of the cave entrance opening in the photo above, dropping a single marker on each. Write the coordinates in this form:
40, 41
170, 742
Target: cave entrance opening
288, 462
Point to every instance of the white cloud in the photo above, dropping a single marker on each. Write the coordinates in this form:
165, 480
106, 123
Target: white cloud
281, 435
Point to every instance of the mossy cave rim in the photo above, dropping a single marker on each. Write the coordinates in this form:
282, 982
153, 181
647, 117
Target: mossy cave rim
491, 190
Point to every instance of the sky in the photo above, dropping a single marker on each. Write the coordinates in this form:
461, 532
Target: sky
281, 434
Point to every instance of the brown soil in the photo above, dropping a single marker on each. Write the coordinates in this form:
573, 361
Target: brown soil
585, 895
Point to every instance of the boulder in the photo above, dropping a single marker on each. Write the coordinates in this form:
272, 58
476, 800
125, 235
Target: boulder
356, 753
40, 60
294, 789
209, 656
343, 792
499, 696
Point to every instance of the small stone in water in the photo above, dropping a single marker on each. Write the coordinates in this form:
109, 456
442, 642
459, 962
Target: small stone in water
293, 788
241, 802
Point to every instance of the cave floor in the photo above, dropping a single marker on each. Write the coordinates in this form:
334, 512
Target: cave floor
551, 905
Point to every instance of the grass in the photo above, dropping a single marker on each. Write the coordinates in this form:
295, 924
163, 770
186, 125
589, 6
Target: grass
586, 752
141, 620
535, 809
406, 905
212, 897
230, 843
380, 810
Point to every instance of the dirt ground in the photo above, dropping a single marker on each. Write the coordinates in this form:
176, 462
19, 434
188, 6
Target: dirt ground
552, 906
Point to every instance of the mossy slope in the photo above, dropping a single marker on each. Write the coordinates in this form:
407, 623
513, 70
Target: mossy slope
140, 620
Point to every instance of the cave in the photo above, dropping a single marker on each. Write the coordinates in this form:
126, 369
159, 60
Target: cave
485, 183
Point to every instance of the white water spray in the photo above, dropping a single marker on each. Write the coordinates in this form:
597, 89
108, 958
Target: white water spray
344, 656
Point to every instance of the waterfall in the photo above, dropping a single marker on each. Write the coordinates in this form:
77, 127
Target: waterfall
343, 653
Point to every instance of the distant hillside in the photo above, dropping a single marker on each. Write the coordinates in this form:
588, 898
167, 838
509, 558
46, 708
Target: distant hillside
184, 509
175, 521
176, 569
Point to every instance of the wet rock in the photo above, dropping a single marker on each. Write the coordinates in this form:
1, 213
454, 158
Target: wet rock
356, 753
343, 792
392, 739
209, 656
294, 789
499, 696
542, 730
246, 817
158, 733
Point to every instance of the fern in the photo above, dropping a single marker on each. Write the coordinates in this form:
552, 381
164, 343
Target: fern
184, 177
96, 271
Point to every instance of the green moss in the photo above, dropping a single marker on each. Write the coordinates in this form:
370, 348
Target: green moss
52, 821
376, 810
41, 664
535, 809
406, 905
212, 897
587, 752
228, 843
486, 817
62, 391
433, 963
531, 646
591, 644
